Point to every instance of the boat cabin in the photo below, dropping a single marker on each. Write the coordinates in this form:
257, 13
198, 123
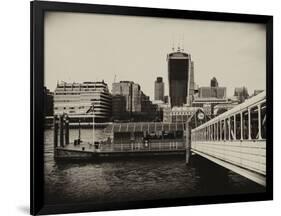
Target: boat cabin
145, 131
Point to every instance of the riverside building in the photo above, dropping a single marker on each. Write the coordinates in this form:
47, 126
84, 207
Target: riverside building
78, 99
130, 103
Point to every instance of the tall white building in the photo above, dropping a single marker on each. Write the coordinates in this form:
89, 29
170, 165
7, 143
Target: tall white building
78, 99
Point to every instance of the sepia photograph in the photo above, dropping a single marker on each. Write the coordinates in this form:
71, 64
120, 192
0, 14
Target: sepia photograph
143, 108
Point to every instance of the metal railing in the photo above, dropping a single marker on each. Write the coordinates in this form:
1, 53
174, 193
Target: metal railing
168, 145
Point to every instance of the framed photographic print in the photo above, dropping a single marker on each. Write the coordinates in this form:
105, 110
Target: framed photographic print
141, 107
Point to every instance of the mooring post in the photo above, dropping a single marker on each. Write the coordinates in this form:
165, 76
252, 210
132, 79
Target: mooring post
61, 130
79, 133
66, 133
187, 143
55, 131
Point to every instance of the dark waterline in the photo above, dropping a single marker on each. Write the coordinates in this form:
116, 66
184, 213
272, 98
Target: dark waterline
135, 179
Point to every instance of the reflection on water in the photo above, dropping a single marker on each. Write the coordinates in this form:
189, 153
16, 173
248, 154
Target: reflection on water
135, 179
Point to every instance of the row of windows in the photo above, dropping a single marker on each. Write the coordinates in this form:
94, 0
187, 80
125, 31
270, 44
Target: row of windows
82, 107
82, 87
182, 118
249, 124
181, 113
57, 108
77, 93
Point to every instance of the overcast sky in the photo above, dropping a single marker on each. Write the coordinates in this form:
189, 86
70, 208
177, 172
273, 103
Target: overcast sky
89, 47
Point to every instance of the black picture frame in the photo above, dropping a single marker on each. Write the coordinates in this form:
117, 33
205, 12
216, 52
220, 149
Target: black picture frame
38, 9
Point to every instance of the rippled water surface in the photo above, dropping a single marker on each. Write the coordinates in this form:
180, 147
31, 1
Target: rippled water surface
135, 179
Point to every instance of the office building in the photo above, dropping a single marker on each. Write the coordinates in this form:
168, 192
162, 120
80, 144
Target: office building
119, 108
241, 94
214, 82
132, 93
210, 96
78, 99
212, 91
137, 105
181, 78
159, 89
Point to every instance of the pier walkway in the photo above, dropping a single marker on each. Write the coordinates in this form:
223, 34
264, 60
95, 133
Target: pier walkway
236, 139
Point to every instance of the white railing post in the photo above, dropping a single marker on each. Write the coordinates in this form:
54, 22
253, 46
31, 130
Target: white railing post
249, 124
259, 118
241, 125
224, 129
229, 129
218, 136
234, 129
220, 131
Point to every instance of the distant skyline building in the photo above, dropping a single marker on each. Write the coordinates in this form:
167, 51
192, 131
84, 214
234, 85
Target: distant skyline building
241, 94
77, 99
119, 107
137, 104
214, 82
210, 96
132, 93
212, 91
180, 78
159, 89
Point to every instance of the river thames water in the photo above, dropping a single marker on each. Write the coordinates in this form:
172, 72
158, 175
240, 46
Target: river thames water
135, 179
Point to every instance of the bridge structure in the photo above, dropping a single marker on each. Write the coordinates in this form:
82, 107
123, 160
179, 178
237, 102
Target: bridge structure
236, 139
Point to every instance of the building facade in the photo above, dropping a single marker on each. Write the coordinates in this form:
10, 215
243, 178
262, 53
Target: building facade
241, 93
212, 92
132, 93
119, 108
179, 114
210, 96
159, 89
181, 78
137, 105
78, 99
214, 82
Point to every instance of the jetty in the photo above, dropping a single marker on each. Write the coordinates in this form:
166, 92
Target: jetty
132, 139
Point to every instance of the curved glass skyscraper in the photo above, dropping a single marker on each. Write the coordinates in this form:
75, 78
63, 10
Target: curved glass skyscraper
181, 78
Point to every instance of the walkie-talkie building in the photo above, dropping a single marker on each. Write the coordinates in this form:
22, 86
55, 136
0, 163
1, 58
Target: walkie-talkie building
181, 78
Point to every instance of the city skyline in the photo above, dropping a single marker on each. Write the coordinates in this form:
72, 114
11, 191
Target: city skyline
108, 51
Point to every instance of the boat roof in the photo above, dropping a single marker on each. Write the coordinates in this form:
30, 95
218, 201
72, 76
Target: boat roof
144, 126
